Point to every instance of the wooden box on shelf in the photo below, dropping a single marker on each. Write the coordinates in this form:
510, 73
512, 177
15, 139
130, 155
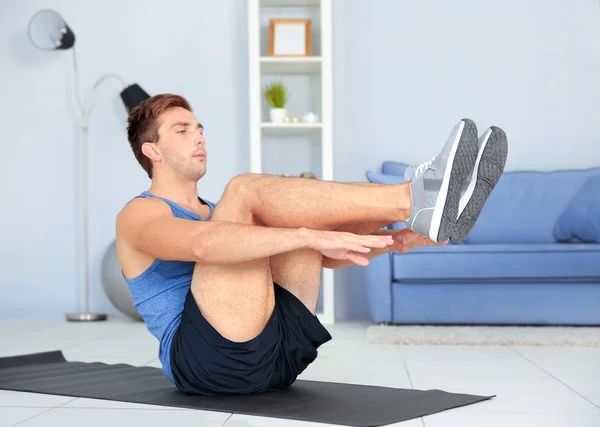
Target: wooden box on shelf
290, 37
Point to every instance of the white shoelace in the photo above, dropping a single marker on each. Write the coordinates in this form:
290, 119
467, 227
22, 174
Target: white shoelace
414, 172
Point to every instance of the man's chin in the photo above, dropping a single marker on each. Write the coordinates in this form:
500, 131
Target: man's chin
198, 175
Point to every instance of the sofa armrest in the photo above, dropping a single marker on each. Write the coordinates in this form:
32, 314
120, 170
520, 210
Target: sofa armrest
379, 287
391, 167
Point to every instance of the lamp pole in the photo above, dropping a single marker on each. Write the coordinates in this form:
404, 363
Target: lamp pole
86, 316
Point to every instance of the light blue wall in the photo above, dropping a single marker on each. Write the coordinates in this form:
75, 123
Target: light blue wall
404, 73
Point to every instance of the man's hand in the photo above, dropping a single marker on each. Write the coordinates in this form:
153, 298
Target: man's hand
347, 246
406, 240
403, 240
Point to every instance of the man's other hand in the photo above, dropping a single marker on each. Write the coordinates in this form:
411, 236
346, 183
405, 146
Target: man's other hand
407, 240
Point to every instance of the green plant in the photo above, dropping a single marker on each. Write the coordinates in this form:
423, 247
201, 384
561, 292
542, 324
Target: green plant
277, 95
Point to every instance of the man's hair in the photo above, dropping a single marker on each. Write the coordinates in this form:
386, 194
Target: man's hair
143, 124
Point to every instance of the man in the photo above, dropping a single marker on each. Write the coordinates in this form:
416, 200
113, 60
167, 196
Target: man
230, 289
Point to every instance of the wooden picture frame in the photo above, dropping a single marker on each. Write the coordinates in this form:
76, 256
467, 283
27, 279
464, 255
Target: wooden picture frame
290, 37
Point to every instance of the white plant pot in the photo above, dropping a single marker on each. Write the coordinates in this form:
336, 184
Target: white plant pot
277, 115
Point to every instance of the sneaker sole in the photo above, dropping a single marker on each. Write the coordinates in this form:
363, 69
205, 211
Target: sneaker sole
460, 164
487, 172
483, 144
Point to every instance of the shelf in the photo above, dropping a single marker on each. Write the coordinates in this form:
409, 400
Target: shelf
292, 3
290, 65
290, 128
304, 142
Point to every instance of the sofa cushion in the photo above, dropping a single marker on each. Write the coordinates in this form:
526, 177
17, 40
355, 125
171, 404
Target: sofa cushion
581, 219
485, 262
524, 206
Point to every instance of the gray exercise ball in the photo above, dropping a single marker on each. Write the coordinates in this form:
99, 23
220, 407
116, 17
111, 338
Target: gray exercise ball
114, 283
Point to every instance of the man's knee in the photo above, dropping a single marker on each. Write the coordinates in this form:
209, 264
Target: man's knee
244, 182
241, 188
235, 204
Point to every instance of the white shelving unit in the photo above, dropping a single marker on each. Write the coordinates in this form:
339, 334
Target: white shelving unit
318, 69
300, 65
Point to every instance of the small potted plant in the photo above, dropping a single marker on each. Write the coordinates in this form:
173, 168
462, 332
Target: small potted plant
277, 95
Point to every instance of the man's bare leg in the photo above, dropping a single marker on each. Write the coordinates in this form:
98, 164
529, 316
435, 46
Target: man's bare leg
236, 299
272, 202
300, 273
299, 202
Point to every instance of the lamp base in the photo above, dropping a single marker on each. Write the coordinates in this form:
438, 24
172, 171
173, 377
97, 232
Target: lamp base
85, 317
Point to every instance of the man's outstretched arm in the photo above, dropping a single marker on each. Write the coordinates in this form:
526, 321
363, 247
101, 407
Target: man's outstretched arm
149, 226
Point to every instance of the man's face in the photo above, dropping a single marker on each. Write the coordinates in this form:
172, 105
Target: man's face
181, 143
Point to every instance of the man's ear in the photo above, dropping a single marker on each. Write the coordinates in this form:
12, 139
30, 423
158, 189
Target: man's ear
150, 150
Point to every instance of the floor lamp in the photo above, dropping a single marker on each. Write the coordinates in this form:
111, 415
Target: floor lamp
49, 31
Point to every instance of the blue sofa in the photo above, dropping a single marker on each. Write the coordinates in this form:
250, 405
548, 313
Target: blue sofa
532, 258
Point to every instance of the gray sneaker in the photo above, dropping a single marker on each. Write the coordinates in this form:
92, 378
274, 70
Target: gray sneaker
491, 159
436, 185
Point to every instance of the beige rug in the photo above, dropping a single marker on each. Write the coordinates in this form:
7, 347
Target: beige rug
558, 336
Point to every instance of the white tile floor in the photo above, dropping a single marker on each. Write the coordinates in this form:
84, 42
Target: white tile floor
535, 386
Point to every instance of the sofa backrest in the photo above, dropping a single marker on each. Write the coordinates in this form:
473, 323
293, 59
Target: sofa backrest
524, 206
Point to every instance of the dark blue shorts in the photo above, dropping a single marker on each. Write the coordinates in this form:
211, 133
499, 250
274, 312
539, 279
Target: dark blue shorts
204, 362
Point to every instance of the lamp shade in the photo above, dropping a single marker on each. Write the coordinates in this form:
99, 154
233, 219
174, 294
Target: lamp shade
49, 31
133, 95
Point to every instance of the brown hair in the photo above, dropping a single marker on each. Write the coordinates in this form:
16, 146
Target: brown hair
143, 124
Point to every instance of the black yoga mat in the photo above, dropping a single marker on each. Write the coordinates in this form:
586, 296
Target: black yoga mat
333, 403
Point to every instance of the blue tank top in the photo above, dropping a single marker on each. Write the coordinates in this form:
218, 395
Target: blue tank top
159, 292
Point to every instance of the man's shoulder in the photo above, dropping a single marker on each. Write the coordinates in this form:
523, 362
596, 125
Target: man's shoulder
136, 212
142, 205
